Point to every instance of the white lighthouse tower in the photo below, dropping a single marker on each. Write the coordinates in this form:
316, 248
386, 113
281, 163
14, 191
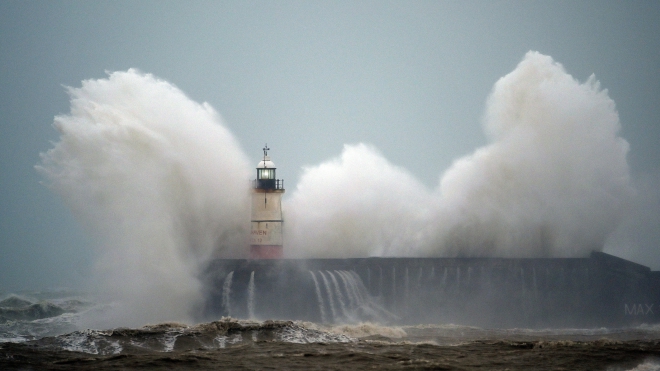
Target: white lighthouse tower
266, 232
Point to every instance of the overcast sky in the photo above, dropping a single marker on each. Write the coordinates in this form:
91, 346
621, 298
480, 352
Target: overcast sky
409, 77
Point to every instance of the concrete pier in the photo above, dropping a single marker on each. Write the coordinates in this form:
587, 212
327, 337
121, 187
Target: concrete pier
601, 290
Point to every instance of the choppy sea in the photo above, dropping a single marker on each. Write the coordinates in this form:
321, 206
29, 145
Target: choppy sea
46, 330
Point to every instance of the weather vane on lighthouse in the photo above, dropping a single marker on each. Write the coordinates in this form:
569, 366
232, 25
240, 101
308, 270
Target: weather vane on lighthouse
266, 240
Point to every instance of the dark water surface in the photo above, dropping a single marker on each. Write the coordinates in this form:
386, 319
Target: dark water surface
475, 355
284, 345
42, 332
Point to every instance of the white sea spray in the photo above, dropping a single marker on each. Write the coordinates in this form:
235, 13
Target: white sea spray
553, 182
161, 184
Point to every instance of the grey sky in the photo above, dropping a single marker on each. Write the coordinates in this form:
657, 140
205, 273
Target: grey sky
410, 78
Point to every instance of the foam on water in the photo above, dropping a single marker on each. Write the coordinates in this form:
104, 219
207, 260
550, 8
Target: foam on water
372, 344
649, 365
224, 340
68, 316
167, 337
89, 341
301, 334
367, 329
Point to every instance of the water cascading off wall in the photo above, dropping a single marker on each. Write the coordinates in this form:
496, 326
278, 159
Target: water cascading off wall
340, 293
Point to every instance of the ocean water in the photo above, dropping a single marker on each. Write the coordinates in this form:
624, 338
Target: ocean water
47, 330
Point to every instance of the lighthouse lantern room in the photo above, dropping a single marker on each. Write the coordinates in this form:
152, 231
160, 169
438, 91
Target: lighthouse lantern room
266, 232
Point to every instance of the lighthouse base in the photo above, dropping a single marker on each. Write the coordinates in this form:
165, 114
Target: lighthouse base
266, 252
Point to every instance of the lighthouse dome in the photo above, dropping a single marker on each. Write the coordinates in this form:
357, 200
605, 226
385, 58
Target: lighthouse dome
266, 163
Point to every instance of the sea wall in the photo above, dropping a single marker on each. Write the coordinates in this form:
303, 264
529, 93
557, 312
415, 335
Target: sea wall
601, 290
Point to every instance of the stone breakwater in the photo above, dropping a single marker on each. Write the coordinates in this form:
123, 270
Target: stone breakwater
601, 290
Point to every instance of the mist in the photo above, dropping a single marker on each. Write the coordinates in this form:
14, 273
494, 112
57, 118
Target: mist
356, 205
161, 184
552, 182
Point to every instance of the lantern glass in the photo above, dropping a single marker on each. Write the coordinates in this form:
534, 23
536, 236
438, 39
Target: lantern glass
266, 173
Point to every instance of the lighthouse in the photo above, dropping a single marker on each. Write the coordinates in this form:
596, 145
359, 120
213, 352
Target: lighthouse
266, 232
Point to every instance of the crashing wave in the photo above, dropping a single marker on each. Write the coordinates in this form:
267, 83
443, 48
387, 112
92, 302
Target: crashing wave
30, 312
15, 301
170, 337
